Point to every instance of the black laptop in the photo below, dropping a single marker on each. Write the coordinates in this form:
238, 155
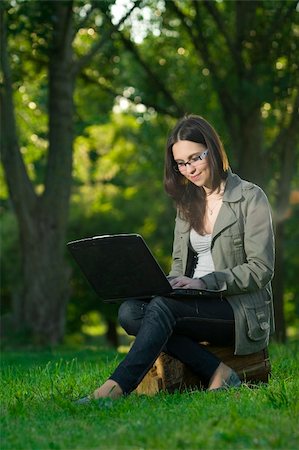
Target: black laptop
122, 266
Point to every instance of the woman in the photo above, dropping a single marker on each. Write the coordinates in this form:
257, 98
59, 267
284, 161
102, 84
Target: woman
223, 241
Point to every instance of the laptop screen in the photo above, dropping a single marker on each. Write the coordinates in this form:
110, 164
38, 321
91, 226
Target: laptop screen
119, 266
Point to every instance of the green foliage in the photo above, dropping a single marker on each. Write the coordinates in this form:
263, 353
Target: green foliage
118, 174
146, 74
291, 265
38, 389
226, 61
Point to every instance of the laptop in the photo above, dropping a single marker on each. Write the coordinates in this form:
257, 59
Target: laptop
121, 266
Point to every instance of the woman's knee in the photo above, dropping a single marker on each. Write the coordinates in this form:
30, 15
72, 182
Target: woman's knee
160, 304
160, 309
130, 315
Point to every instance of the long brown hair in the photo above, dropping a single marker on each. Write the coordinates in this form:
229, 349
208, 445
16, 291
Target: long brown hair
189, 198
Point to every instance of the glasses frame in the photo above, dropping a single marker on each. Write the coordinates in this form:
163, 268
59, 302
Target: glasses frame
182, 166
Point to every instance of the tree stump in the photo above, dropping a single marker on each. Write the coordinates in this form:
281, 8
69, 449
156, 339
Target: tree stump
169, 374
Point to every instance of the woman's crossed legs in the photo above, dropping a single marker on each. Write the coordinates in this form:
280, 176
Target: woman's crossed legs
176, 327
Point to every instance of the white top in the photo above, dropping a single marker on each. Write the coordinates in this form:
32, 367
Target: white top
201, 244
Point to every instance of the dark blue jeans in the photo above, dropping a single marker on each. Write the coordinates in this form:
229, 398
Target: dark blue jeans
175, 327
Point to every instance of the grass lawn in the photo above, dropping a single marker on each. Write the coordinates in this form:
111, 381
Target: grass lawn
37, 411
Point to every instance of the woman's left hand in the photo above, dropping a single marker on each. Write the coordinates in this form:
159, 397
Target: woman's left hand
187, 283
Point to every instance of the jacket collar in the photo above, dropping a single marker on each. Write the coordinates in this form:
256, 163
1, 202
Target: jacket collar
233, 188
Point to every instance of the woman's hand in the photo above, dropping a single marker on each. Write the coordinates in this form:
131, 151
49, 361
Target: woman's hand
187, 283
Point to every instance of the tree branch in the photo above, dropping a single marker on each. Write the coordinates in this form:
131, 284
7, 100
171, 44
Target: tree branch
290, 130
20, 187
279, 18
202, 47
177, 110
84, 60
285, 145
199, 42
84, 20
113, 93
213, 11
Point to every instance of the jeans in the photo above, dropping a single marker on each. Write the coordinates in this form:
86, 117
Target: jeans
175, 326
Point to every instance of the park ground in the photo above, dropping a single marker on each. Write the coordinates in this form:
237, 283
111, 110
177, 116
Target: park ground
38, 389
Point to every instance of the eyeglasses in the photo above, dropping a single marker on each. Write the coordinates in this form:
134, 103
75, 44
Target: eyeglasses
194, 161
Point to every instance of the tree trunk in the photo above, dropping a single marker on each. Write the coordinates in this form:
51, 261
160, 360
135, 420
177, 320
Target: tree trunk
42, 220
111, 333
46, 280
278, 284
250, 153
252, 166
46, 275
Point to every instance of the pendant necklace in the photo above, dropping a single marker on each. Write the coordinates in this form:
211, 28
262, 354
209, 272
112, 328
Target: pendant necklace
217, 196
211, 210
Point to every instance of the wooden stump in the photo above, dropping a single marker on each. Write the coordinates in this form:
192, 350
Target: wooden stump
169, 374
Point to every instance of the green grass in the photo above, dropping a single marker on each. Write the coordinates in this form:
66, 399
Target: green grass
37, 411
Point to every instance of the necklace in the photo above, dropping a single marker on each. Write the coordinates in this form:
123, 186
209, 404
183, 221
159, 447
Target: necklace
217, 197
216, 203
211, 210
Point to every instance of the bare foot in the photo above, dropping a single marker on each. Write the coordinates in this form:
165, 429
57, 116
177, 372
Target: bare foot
219, 376
110, 389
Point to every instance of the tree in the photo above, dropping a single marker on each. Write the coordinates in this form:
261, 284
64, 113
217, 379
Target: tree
248, 52
42, 217
238, 58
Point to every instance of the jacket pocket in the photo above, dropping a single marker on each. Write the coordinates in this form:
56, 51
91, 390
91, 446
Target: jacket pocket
257, 322
233, 245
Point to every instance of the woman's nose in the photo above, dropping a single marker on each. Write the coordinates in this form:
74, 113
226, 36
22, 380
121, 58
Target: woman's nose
190, 168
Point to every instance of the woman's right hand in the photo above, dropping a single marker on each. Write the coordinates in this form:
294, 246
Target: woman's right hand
184, 282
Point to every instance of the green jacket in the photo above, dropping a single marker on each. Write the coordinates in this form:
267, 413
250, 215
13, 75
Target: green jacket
243, 253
